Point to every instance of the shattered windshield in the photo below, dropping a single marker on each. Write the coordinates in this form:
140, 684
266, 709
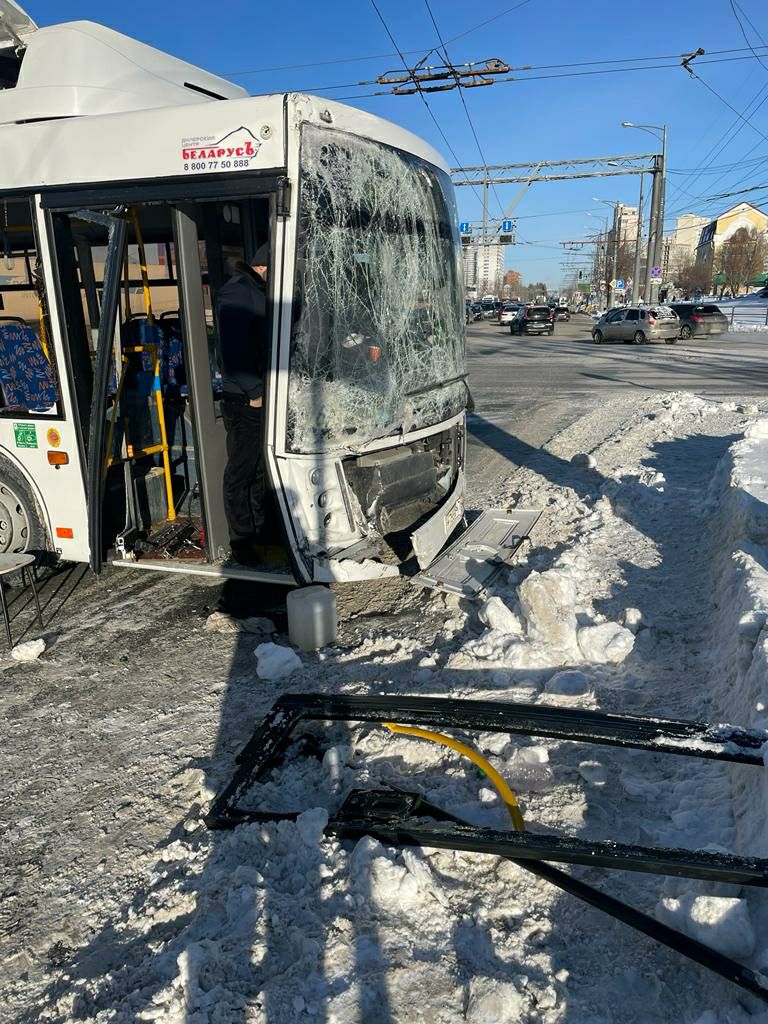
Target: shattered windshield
378, 333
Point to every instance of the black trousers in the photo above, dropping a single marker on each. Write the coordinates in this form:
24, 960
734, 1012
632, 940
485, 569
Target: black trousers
244, 480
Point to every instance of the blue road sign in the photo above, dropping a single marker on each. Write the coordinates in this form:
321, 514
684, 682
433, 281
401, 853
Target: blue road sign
655, 273
506, 225
464, 227
620, 283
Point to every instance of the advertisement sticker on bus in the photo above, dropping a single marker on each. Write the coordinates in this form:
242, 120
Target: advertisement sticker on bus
233, 152
25, 435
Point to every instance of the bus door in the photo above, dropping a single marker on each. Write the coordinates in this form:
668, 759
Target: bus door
209, 237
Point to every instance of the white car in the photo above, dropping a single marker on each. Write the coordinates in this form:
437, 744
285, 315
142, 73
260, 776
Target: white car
508, 313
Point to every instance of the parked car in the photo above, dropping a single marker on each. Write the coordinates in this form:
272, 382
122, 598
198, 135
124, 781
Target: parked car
533, 320
489, 309
562, 313
476, 311
638, 324
699, 319
508, 313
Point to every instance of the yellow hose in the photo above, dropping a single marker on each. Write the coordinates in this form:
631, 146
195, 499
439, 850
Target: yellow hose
501, 786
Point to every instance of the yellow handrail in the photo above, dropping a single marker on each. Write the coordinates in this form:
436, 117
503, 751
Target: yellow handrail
506, 794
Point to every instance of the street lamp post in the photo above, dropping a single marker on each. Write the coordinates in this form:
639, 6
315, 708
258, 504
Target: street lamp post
638, 293
616, 205
656, 217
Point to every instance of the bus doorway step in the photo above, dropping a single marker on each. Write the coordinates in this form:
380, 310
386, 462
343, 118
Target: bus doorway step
175, 540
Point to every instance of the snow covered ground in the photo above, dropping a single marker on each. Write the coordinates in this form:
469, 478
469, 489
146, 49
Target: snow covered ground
645, 592
748, 312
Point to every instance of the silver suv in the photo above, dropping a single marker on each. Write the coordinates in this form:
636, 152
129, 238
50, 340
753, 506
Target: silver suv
638, 324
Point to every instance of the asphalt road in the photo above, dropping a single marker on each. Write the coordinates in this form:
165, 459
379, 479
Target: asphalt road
526, 389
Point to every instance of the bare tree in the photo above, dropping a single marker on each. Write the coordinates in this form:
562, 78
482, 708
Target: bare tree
692, 277
742, 257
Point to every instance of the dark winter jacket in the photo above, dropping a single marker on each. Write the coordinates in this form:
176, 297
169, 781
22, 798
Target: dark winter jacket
241, 318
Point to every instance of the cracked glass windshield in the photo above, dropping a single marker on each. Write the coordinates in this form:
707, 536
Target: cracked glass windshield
378, 335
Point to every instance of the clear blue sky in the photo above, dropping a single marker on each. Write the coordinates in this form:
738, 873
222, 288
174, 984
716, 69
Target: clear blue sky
555, 119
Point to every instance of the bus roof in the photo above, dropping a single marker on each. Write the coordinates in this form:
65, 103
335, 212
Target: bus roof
88, 105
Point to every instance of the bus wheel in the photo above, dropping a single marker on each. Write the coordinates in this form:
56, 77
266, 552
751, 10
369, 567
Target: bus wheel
21, 525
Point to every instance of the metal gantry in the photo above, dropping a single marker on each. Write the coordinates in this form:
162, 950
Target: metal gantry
526, 174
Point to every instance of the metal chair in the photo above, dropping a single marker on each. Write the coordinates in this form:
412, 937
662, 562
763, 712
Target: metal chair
18, 563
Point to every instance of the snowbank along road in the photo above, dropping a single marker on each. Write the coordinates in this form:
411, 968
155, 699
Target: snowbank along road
645, 592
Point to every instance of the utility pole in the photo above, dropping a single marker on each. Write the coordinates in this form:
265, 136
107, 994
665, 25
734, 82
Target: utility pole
638, 292
662, 195
615, 261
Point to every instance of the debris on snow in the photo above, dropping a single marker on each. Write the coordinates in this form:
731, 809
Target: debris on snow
608, 643
223, 622
583, 459
276, 662
29, 650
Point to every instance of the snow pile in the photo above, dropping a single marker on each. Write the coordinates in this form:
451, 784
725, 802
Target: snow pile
30, 650
749, 312
740, 493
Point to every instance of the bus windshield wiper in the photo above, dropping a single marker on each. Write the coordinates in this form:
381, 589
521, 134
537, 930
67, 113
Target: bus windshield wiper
439, 384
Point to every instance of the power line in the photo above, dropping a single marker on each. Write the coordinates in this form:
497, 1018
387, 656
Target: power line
518, 80
421, 94
464, 102
743, 32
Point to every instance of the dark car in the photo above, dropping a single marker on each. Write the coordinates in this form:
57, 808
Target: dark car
562, 313
533, 320
699, 319
476, 311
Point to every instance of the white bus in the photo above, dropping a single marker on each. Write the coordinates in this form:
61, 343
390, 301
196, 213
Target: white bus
128, 179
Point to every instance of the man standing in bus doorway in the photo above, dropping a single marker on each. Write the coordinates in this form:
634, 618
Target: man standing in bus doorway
241, 315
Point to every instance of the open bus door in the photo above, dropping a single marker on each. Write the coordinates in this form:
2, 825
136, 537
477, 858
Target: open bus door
116, 239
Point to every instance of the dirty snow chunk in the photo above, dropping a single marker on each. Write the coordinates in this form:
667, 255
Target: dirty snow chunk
493, 1002
223, 622
495, 614
569, 683
632, 618
310, 825
548, 602
30, 650
608, 642
275, 662
583, 459
718, 921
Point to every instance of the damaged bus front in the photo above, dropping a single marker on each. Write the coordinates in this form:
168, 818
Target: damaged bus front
373, 434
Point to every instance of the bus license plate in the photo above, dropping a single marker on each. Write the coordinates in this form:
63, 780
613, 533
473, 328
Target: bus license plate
453, 516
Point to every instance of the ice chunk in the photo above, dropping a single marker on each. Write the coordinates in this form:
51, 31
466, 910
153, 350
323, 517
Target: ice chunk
721, 922
632, 618
310, 825
496, 615
275, 662
583, 459
608, 642
30, 650
569, 683
593, 772
528, 770
548, 602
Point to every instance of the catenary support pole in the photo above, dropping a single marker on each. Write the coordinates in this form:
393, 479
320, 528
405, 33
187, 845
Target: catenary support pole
638, 292
652, 222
